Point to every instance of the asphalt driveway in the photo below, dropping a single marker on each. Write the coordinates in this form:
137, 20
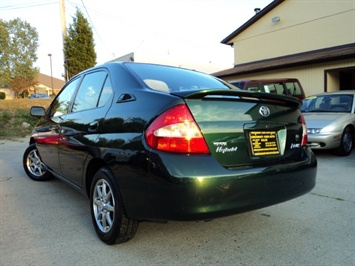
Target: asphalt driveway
49, 223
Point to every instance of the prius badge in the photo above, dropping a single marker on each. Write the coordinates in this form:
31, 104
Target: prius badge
264, 111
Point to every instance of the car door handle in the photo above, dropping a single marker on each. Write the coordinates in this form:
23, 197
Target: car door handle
93, 126
126, 97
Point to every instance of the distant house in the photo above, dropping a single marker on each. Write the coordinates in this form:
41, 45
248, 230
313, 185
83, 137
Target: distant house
44, 85
313, 41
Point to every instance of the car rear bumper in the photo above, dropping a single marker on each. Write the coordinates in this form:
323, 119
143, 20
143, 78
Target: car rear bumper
210, 191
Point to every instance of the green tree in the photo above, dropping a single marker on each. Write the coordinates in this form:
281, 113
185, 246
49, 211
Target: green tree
79, 47
18, 52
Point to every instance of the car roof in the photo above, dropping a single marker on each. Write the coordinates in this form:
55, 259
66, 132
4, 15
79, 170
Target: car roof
266, 80
114, 64
335, 93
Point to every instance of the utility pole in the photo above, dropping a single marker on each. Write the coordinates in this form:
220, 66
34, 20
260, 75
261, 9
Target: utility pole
50, 59
64, 33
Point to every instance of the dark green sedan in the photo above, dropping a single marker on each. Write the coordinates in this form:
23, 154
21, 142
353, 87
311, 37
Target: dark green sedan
156, 143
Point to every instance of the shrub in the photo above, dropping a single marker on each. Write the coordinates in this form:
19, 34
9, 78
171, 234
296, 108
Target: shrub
14, 112
2, 95
24, 94
13, 120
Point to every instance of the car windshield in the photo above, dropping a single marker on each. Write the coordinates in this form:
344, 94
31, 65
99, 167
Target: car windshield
172, 79
328, 103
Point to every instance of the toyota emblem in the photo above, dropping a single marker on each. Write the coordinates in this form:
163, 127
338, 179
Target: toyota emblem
264, 111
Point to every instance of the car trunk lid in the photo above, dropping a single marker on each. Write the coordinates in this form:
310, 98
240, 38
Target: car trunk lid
241, 128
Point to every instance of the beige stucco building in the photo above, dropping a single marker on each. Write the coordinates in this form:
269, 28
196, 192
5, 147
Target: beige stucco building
312, 40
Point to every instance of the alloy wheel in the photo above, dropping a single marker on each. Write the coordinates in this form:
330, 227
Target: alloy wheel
103, 205
34, 164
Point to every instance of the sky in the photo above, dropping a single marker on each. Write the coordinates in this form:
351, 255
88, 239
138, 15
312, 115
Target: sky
184, 33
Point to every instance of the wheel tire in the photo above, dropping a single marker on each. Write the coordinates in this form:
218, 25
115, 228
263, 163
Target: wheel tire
346, 143
33, 165
107, 210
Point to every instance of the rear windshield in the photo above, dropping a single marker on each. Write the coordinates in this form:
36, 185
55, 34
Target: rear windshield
290, 88
172, 79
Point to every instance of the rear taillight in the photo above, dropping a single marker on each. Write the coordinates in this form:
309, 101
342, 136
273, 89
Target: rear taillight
304, 132
175, 130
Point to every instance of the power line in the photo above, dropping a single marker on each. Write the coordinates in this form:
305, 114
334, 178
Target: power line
92, 24
75, 5
27, 5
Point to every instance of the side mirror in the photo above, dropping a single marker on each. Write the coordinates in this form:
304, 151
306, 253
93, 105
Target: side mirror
37, 111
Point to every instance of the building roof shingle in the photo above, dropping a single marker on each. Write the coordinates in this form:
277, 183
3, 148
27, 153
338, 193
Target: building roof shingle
47, 81
317, 56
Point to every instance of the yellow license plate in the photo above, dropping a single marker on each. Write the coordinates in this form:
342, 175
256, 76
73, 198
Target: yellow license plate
264, 143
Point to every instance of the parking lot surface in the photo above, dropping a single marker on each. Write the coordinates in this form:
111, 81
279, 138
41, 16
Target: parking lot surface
49, 223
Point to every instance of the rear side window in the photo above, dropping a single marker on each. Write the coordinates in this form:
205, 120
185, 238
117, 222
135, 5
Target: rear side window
238, 84
253, 87
89, 91
106, 92
294, 89
275, 88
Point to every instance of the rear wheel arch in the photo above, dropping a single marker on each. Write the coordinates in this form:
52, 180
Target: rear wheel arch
107, 209
94, 165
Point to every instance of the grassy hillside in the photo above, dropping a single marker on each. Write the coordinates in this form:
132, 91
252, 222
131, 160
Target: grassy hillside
14, 112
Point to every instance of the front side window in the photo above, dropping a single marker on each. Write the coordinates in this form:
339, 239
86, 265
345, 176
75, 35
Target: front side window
62, 103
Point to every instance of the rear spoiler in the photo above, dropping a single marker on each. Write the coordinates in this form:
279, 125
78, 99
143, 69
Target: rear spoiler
240, 94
